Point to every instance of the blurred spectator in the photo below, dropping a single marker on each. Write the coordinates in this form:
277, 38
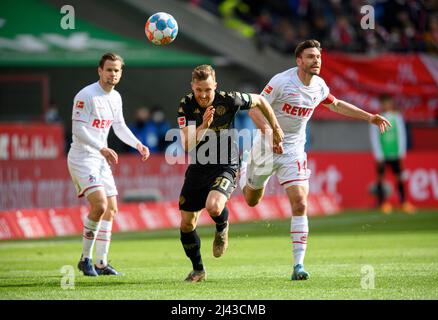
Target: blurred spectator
162, 126
389, 150
52, 113
145, 129
401, 25
431, 36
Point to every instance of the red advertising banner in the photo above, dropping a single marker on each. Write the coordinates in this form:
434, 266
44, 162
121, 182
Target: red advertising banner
31, 141
56, 222
411, 78
348, 176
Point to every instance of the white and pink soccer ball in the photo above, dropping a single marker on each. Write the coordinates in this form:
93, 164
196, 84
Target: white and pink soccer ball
161, 28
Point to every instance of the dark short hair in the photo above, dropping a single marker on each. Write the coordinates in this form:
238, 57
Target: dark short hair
202, 72
305, 45
385, 97
110, 56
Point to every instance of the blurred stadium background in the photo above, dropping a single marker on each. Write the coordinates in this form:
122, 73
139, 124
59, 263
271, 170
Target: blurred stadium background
43, 66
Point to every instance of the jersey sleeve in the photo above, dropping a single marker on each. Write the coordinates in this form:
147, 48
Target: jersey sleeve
242, 100
326, 96
118, 117
183, 117
271, 90
82, 106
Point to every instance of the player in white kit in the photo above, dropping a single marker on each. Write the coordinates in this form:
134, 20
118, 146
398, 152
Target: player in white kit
96, 109
294, 94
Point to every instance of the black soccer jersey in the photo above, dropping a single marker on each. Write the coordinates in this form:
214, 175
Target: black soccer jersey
219, 145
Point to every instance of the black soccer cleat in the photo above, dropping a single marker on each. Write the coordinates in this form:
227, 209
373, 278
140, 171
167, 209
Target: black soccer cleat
86, 266
108, 270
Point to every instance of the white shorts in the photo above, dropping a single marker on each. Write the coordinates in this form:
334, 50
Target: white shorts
290, 169
90, 172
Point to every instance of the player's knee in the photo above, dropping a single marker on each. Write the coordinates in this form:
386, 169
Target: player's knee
112, 212
187, 226
99, 207
299, 208
252, 201
214, 209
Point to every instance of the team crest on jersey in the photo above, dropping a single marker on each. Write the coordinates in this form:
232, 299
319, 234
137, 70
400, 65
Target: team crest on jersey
79, 104
181, 122
267, 89
220, 110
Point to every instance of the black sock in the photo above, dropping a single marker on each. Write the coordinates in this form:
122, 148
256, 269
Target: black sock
192, 246
401, 191
221, 220
380, 193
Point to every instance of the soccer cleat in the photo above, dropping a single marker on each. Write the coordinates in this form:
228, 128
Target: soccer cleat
108, 270
386, 208
86, 266
220, 243
408, 208
196, 276
299, 273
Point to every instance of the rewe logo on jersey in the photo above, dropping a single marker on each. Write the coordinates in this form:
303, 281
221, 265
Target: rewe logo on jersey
101, 123
297, 111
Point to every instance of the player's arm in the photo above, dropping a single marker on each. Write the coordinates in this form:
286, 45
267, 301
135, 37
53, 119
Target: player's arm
81, 132
192, 135
125, 134
263, 105
350, 110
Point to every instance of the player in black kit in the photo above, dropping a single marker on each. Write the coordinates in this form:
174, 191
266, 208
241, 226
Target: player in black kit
206, 117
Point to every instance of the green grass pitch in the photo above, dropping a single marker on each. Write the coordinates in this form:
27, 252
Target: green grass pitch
343, 250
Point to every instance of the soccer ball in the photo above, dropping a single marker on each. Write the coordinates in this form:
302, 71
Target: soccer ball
161, 28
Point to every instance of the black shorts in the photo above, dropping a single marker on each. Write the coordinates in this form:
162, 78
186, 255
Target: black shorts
200, 180
395, 165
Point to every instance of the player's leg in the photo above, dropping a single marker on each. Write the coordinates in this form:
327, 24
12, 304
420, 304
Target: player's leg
294, 175
297, 195
104, 235
192, 245
98, 205
103, 239
217, 210
384, 206
397, 169
254, 175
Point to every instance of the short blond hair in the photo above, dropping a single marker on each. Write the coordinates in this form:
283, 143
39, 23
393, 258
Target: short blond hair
202, 72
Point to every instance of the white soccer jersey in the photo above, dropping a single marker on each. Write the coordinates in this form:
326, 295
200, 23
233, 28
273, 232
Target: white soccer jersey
97, 110
293, 105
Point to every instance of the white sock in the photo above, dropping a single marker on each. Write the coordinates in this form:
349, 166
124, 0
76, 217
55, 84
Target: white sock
89, 236
299, 230
103, 241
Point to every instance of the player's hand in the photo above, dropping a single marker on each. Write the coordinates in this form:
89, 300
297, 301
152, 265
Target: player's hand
278, 136
110, 155
381, 122
144, 151
208, 117
278, 148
